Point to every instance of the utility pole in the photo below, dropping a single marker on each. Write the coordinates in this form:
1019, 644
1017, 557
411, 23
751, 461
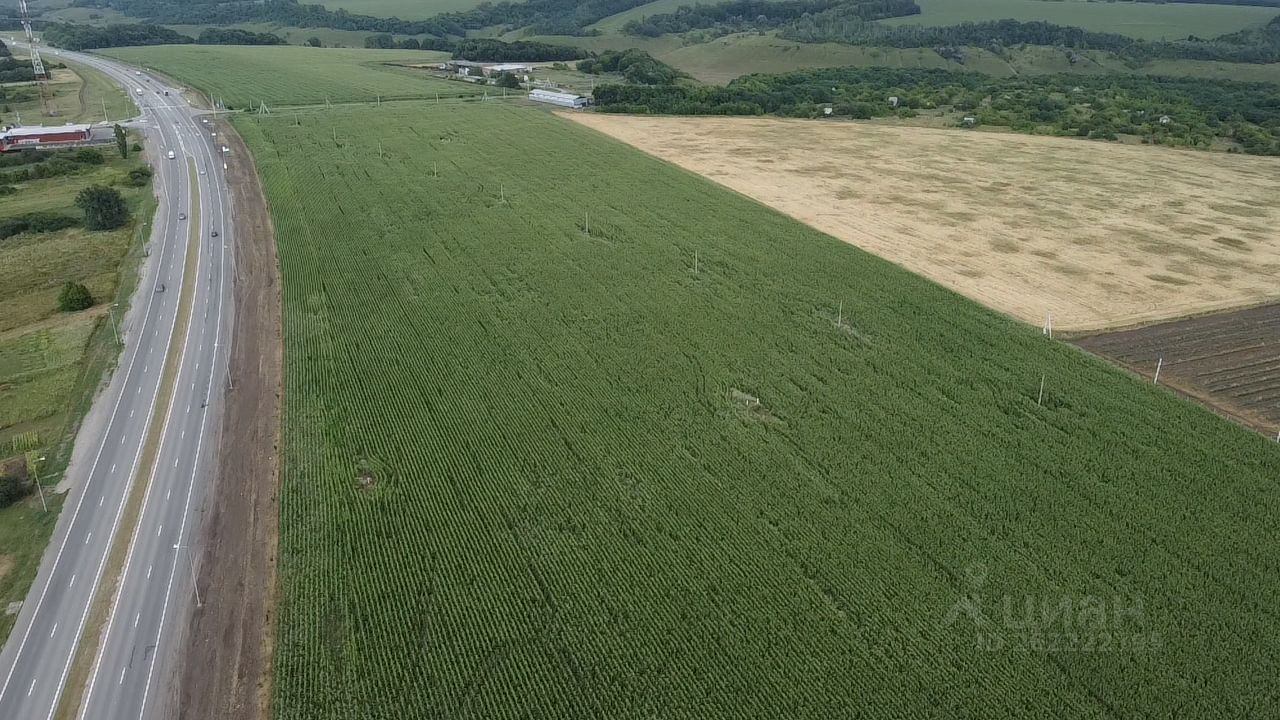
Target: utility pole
1159, 364
105, 119
191, 563
35, 470
588, 222
695, 262
114, 331
840, 315
1040, 400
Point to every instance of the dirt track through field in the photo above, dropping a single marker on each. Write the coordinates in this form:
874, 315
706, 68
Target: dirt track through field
228, 648
1100, 235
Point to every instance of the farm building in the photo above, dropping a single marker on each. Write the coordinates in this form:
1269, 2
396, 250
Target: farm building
15, 138
558, 98
468, 68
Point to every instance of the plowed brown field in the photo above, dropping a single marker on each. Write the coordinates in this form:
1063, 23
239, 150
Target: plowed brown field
1229, 361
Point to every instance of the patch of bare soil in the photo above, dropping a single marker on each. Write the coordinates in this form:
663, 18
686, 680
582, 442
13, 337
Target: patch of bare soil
1100, 235
227, 670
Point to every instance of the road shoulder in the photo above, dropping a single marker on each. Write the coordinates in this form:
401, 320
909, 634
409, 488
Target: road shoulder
227, 652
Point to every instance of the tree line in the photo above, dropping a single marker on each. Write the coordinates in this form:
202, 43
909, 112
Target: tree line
1253, 3
88, 37
739, 15
637, 66
1170, 111
553, 17
1259, 45
234, 36
12, 69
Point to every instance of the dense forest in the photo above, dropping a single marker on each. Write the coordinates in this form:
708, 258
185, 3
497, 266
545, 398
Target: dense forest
1182, 112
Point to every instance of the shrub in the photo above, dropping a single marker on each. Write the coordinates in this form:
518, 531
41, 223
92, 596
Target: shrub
138, 177
74, 297
88, 156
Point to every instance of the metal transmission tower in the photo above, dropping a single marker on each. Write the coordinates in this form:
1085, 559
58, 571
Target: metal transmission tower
37, 65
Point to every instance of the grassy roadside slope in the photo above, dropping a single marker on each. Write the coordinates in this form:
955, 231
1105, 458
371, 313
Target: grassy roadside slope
51, 363
701, 461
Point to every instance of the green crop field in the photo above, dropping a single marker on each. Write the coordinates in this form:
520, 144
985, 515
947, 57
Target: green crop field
570, 433
1149, 21
292, 75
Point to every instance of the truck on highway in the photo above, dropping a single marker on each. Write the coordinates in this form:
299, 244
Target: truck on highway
138, 90
171, 155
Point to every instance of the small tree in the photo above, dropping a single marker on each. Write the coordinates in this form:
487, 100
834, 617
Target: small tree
74, 297
14, 481
122, 142
314, 42
103, 207
508, 80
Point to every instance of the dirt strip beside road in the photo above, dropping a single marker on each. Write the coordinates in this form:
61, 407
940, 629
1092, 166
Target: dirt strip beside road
227, 655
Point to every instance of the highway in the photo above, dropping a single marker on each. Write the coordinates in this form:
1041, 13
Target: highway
157, 434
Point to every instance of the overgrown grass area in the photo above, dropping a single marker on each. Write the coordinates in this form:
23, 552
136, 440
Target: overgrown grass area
51, 363
572, 433
1145, 20
77, 94
291, 75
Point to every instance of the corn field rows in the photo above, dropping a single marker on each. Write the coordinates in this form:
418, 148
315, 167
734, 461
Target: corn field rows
521, 478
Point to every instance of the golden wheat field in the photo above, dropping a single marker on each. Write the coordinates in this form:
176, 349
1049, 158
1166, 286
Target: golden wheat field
1100, 235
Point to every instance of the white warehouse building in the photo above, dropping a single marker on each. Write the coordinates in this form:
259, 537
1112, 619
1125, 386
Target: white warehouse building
558, 98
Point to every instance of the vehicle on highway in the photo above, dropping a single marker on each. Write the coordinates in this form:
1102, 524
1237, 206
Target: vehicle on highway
171, 155
182, 216
213, 233
138, 90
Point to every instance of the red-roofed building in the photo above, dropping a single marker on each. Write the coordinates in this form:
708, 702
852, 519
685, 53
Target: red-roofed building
16, 138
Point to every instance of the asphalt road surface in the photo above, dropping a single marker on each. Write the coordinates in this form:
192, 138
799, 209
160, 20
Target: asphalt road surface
131, 673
